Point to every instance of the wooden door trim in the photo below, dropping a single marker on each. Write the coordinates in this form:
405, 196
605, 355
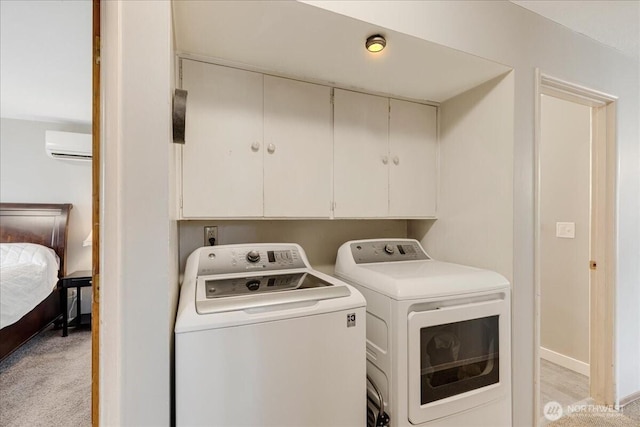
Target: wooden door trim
95, 307
602, 253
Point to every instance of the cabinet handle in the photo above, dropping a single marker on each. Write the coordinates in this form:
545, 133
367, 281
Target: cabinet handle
385, 160
396, 160
255, 146
271, 148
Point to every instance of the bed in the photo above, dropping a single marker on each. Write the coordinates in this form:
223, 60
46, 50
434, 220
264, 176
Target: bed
23, 224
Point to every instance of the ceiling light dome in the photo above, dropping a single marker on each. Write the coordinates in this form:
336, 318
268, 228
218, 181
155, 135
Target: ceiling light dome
375, 43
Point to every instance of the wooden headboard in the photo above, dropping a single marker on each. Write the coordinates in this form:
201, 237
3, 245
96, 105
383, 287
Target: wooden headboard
44, 224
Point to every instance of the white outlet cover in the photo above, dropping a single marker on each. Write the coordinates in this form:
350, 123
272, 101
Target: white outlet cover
566, 230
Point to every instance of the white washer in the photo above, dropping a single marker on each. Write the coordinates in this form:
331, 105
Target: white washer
438, 334
261, 339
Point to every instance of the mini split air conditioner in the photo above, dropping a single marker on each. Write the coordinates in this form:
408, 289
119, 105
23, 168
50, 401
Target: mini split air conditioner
68, 145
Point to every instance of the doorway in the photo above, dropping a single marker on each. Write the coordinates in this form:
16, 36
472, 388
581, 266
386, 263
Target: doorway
574, 256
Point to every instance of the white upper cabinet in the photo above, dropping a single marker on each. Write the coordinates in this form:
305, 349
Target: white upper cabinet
412, 159
256, 145
385, 157
361, 178
222, 158
259, 146
298, 149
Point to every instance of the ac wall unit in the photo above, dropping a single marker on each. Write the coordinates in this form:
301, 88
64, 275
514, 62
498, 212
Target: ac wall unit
68, 145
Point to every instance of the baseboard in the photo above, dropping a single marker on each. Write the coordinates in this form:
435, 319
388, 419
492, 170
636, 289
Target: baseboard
565, 361
631, 398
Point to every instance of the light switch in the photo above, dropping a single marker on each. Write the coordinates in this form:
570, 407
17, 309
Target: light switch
566, 230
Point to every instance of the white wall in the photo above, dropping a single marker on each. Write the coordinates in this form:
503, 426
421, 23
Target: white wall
28, 175
565, 188
475, 181
321, 252
45, 60
504, 32
139, 278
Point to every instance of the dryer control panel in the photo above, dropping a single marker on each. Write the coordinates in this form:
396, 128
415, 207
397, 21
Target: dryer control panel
242, 258
365, 252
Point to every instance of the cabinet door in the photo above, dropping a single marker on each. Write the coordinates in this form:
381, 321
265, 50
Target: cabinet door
361, 180
412, 160
298, 145
222, 157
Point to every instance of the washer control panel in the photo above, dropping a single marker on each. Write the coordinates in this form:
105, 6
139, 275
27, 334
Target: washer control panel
251, 285
236, 259
366, 252
218, 288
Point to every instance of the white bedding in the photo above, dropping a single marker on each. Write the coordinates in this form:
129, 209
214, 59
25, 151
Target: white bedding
28, 274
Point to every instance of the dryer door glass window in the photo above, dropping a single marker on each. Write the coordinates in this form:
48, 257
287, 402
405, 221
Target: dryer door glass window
458, 357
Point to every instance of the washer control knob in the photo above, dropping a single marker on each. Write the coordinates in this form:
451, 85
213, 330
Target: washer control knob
253, 285
253, 256
389, 249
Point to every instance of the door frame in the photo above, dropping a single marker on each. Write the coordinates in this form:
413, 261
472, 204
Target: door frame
602, 240
96, 185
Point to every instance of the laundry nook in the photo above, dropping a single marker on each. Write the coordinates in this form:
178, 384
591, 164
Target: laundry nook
320, 213
282, 145
333, 211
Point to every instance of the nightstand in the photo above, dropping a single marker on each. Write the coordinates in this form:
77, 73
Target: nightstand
77, 279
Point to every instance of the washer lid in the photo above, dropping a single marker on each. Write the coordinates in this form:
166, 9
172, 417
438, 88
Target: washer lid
215, 294
422, 279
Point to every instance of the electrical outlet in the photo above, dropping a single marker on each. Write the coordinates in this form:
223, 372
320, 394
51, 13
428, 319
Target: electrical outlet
210, 233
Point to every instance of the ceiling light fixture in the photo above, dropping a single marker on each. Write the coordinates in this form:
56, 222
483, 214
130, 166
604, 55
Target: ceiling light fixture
375, 43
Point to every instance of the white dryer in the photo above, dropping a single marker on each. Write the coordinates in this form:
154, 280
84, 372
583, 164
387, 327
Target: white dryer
438, 334
262, 339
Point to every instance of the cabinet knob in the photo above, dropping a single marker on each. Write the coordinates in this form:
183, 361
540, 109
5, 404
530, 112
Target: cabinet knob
385, 160
396, 160
271, 148
255, 146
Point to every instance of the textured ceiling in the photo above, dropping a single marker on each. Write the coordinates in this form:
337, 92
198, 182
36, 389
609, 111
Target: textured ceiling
409, 67
613, 23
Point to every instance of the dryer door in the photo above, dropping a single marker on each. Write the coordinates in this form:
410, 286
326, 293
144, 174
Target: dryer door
458, 356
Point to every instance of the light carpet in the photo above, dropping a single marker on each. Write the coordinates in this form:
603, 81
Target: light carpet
47, 382
632, 410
